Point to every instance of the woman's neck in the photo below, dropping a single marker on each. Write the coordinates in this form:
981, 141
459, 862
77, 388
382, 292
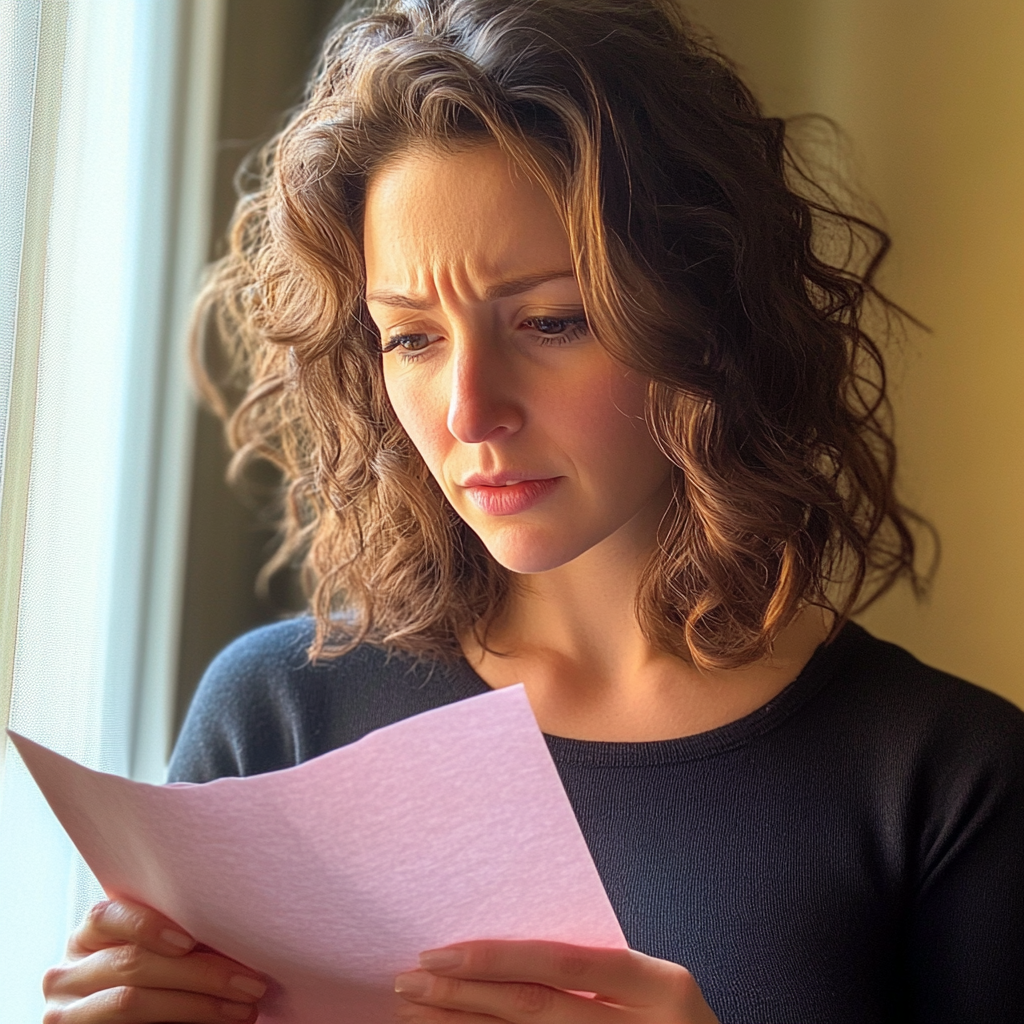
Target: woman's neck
571, 636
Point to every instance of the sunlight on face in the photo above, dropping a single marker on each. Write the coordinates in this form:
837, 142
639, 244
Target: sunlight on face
533, 431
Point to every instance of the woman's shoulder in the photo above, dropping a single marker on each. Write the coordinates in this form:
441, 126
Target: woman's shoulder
263, 704
893, 701
274, 659
878, 664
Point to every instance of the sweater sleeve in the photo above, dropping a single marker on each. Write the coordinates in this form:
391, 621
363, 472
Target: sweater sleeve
967, 933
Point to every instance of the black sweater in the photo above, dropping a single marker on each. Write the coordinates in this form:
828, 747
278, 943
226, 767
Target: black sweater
852, 851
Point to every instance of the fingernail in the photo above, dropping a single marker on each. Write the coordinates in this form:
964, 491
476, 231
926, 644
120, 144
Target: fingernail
441, 959
236, 1011
177, 939
252, 986
414, 984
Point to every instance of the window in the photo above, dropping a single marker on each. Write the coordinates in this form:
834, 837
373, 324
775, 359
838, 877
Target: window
107, 122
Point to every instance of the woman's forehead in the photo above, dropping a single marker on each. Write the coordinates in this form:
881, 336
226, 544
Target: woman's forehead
466, 216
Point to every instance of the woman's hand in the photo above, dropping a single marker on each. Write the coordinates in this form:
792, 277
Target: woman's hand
519, 982
127, 964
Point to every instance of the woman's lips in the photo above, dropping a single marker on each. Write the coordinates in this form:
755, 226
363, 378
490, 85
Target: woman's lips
509, 499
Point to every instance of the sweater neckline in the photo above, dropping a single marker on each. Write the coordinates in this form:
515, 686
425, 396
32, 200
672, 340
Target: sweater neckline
818, 671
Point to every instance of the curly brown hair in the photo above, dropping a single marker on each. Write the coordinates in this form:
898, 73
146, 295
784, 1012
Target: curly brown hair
696, 235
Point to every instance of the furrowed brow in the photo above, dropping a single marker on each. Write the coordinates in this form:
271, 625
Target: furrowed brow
523, 284
398, 300
502, 290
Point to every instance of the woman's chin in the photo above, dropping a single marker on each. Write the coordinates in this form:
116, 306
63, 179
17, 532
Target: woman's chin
526, 552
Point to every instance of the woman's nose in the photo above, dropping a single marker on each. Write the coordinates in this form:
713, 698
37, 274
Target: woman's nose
483, 403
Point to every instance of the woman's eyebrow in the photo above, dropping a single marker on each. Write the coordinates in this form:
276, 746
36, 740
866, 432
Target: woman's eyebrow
501, 290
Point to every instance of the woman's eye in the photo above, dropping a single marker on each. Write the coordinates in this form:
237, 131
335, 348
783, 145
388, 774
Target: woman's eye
410, 342
557, 330
553, 330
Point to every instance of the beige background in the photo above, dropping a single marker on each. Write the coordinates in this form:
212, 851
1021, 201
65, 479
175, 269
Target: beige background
931, 96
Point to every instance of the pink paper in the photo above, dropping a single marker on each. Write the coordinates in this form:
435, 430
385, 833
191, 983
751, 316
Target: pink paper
330, 877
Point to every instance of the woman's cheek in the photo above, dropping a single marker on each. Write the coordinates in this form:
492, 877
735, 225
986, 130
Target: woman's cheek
604, 423
423, 416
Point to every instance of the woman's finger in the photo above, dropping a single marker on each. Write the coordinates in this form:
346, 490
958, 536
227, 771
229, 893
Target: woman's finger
149, 1006
131, 966
509, 1001
623, 976
411, 1013
119, 921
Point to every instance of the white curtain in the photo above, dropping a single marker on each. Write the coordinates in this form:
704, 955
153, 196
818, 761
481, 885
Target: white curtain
107, 124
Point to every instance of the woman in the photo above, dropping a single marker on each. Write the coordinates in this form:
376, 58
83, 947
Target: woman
538, 316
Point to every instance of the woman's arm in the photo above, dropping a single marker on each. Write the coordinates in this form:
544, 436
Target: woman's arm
966, 943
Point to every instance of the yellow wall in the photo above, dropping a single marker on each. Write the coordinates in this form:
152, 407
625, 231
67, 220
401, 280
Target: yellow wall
931, 94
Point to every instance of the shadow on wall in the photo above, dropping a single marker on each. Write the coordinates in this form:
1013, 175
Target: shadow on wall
270, 47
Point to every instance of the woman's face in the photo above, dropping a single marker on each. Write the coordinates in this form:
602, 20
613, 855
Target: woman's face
534, 433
